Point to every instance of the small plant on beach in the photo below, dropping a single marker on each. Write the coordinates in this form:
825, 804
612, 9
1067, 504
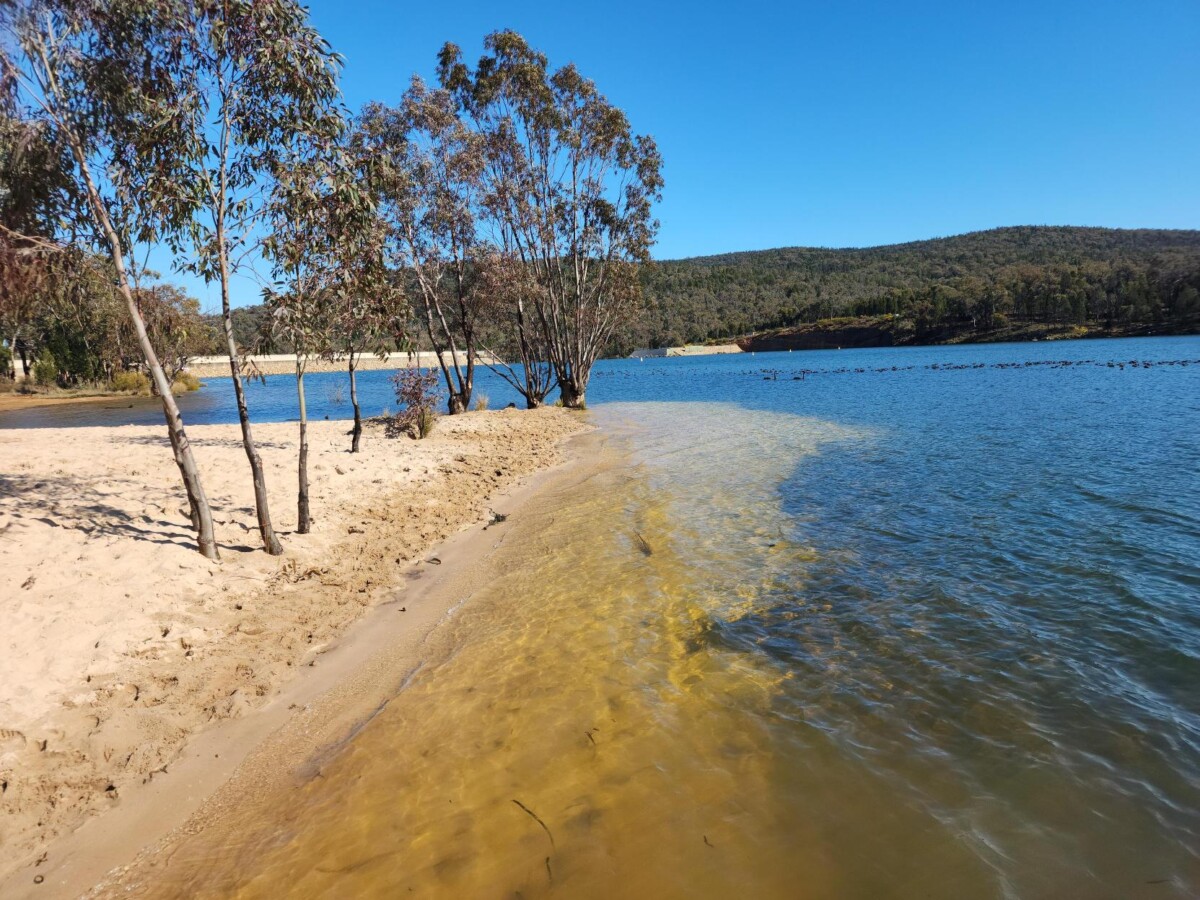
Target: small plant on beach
130, 381
45, 369
426, 419
481, 402
417, 392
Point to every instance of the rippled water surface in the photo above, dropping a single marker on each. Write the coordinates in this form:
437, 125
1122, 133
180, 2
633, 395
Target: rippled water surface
880, 623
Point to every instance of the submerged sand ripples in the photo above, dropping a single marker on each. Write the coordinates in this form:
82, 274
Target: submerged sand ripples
661, 687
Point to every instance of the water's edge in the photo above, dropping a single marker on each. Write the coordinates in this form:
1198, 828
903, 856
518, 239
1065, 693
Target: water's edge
241, 761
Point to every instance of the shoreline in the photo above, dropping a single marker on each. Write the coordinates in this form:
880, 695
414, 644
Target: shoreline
307, 724
16, 400
285, 363
76, 850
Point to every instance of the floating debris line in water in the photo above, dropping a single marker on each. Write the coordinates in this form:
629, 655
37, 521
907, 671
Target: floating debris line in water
801, 374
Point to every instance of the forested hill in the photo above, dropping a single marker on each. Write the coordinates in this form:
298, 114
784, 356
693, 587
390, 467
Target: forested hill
981, 280
948, 288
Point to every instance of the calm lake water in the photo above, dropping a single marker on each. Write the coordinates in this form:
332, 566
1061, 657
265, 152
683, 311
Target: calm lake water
912, 622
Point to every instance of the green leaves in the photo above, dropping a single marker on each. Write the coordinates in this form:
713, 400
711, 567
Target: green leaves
567, 187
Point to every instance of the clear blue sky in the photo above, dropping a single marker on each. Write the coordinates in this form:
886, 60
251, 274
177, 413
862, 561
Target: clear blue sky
852, 123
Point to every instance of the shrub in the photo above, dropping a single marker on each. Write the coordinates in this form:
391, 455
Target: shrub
45, 369
481, 402
130, 381
417, 392
185, 381
426, 419
7, 385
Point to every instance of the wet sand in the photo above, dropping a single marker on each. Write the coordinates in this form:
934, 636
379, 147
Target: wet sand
15, 401
134, 675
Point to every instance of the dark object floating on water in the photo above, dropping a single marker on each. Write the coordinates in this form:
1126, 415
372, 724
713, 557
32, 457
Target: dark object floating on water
511, 406
773, 374
643, 544
707, 841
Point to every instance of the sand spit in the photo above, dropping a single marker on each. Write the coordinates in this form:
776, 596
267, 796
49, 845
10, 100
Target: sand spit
120, 642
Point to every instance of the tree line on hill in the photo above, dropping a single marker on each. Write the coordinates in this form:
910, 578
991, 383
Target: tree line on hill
972, 283
510, 203
977, 282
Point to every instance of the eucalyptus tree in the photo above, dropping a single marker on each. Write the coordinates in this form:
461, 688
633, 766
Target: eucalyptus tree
299, 315
313, 189
429, 186
509, 284
261, 76
369, 303
104, 77
34, 177
569, 188
369, 309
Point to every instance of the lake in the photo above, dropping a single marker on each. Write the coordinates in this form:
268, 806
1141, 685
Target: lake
871, 623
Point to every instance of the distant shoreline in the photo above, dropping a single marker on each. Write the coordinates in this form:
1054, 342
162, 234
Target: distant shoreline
867, 332
285, 363
888, 331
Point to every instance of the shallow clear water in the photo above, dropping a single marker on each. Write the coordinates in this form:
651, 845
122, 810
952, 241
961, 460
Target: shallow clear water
809, 631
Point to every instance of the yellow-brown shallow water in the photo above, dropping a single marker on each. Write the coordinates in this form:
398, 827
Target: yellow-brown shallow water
580, 727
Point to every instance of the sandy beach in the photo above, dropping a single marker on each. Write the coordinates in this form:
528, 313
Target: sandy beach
123, 647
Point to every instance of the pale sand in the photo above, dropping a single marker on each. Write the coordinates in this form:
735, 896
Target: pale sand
120, 642
285, 363
14, 400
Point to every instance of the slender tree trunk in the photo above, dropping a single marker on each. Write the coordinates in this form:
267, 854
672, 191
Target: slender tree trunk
305, 522
265, 529
535, 389
469, 378
357, 433
201, 513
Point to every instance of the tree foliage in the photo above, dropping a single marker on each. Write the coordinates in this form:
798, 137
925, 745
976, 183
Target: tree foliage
427, 178
975, 281
569, 191
103, 79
